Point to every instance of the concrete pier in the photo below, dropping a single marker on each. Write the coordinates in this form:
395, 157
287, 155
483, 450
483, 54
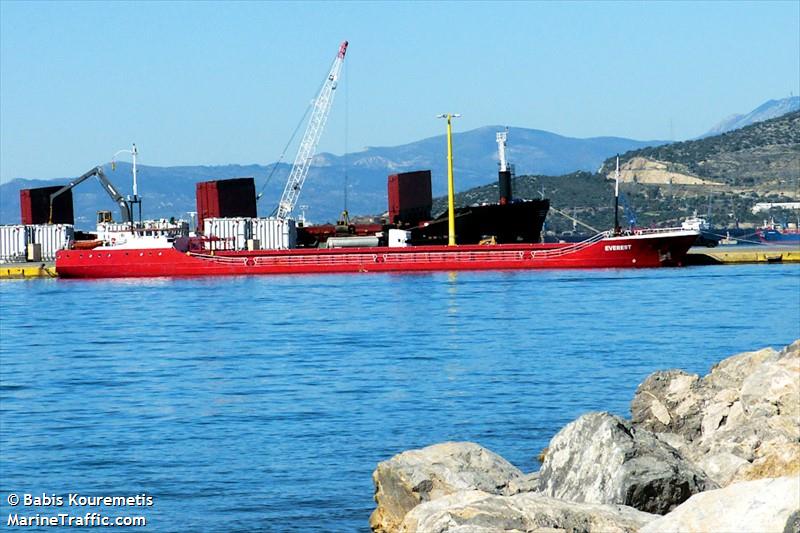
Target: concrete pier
27, 270
743, 254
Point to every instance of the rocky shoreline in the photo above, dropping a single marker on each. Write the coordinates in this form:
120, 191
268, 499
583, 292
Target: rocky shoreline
719, 453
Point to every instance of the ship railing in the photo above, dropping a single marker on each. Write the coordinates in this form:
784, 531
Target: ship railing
307, 259
410, 257
220, 258
455, 255
654, 231
567, 250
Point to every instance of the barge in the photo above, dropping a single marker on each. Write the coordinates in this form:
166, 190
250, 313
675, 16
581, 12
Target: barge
640, 249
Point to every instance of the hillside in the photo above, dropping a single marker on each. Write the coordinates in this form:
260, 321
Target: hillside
169, 191
724, 175
764, 157
589, 197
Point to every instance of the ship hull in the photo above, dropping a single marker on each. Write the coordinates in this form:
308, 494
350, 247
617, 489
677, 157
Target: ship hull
779, 236
635, 251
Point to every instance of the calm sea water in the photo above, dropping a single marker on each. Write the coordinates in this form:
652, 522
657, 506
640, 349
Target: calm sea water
264, 403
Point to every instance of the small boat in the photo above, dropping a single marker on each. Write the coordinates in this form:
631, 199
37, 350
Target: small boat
89, 244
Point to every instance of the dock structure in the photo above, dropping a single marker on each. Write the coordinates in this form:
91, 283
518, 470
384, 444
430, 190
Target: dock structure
27, 270
723, 255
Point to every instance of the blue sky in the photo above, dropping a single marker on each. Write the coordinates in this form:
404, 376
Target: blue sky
216, 83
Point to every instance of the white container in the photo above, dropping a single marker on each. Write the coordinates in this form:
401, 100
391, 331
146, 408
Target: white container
52, 238
13, 242
229, 233
399, 238
274, 233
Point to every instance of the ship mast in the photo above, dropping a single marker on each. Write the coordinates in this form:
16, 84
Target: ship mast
135, 199
451, 203
502, 137
617, 228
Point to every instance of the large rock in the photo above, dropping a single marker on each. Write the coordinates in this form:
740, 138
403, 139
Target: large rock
740, 421
673, 401
479, 512
774, 389
731, 372
601, 458
763, 506
417, 476
670, 401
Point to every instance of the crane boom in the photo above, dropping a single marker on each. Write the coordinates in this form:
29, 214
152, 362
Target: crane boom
107, 186
316, 123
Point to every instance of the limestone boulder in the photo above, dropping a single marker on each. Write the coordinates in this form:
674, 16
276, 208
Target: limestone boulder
758, 447
670, 401
766, 505
731, 372
743, 440
752, 383
774, 389
417, 476
601, 458
479, 512
739, 421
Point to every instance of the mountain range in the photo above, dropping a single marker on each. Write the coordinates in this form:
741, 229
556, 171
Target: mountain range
170, 191
767, 110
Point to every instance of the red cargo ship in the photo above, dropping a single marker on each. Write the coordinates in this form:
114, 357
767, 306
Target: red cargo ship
502, 236
642, 248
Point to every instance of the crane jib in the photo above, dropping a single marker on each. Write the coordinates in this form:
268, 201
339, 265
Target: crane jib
316, 124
